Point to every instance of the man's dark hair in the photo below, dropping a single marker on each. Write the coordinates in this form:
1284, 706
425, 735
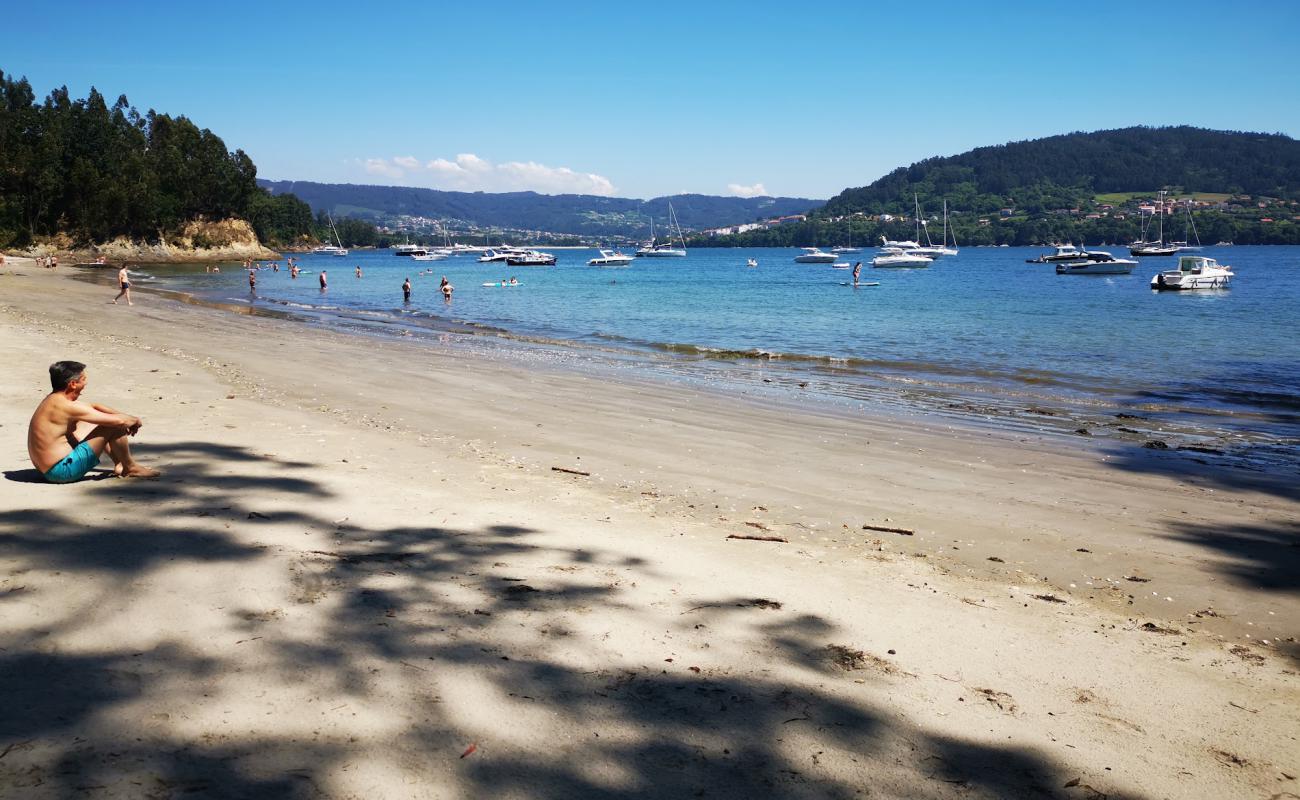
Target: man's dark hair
63, 372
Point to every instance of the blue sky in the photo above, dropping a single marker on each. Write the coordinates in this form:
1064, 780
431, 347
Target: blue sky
640, 100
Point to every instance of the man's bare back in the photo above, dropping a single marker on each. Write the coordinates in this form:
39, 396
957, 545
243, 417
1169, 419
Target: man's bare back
67, 435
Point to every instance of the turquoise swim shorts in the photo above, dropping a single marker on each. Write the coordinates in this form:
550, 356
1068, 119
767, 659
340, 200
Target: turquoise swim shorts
73, 466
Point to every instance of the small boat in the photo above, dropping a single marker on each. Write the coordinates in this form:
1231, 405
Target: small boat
665, 250
409, 250
435, 256
1194, 272
611, 258
813, 255
500, 254
1060, 252
1153, 249
531, 258
906, 244
751, 262
901, 259
1159, 247
1098, 263
841, 265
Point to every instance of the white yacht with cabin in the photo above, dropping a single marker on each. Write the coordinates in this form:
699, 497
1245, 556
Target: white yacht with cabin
1194, 272
611, 258
895, 257
1097, 262
814, 255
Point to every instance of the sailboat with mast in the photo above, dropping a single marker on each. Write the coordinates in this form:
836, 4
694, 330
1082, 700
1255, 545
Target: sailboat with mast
929, 249
1159, 247
335, 249
652, 249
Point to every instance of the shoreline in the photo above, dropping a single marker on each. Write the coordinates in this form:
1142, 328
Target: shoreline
957, 438
342, 522
1022, 401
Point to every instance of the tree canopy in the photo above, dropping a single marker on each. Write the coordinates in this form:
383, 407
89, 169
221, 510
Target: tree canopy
94, 172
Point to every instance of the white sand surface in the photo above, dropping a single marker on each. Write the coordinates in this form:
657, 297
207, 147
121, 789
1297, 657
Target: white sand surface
360, 564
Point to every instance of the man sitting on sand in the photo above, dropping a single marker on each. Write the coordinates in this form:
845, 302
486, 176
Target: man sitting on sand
67, 436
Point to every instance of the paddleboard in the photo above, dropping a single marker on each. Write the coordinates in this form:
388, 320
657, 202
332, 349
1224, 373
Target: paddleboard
503, 285
873, 283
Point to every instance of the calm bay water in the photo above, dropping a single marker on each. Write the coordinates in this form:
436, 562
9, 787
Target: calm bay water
983, 331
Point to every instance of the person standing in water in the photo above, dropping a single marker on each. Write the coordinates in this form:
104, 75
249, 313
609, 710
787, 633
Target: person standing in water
123, 286
358, 270
252, 280
323, 283
406, 290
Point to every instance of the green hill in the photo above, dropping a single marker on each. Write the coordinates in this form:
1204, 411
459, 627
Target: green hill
1091, 187
1061, 171
589, 215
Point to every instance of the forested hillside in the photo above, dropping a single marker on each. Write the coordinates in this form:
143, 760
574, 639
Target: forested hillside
1095, 187
1060, 171
565, 213
94, 172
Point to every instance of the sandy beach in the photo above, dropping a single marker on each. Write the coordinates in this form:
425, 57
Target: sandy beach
377, 568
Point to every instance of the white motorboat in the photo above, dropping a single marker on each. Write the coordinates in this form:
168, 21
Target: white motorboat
491, 255
1060, 252
611, 258
409, 249
813, 255
888, 244
900, 258
1097, 263
1194, 272
665, 250
845, 250
435, 256
531, 258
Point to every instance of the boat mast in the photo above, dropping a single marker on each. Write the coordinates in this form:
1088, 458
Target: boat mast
336, 230
1161, 212
672, 215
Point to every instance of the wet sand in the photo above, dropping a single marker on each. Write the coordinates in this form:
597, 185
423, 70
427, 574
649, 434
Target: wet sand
362, 560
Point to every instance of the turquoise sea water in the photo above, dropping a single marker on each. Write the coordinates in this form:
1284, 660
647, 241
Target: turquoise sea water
982, 331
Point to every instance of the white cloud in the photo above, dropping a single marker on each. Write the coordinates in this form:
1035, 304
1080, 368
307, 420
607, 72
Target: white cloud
378, 166
470, 173
740, 190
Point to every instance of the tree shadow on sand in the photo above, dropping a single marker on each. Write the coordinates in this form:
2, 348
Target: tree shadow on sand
401, 621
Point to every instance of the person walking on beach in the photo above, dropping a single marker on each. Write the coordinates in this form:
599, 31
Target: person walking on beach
406, 290
67, 435
857, 270
123, 286
323, 282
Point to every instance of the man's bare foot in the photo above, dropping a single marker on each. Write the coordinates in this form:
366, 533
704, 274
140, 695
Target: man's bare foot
137, 471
